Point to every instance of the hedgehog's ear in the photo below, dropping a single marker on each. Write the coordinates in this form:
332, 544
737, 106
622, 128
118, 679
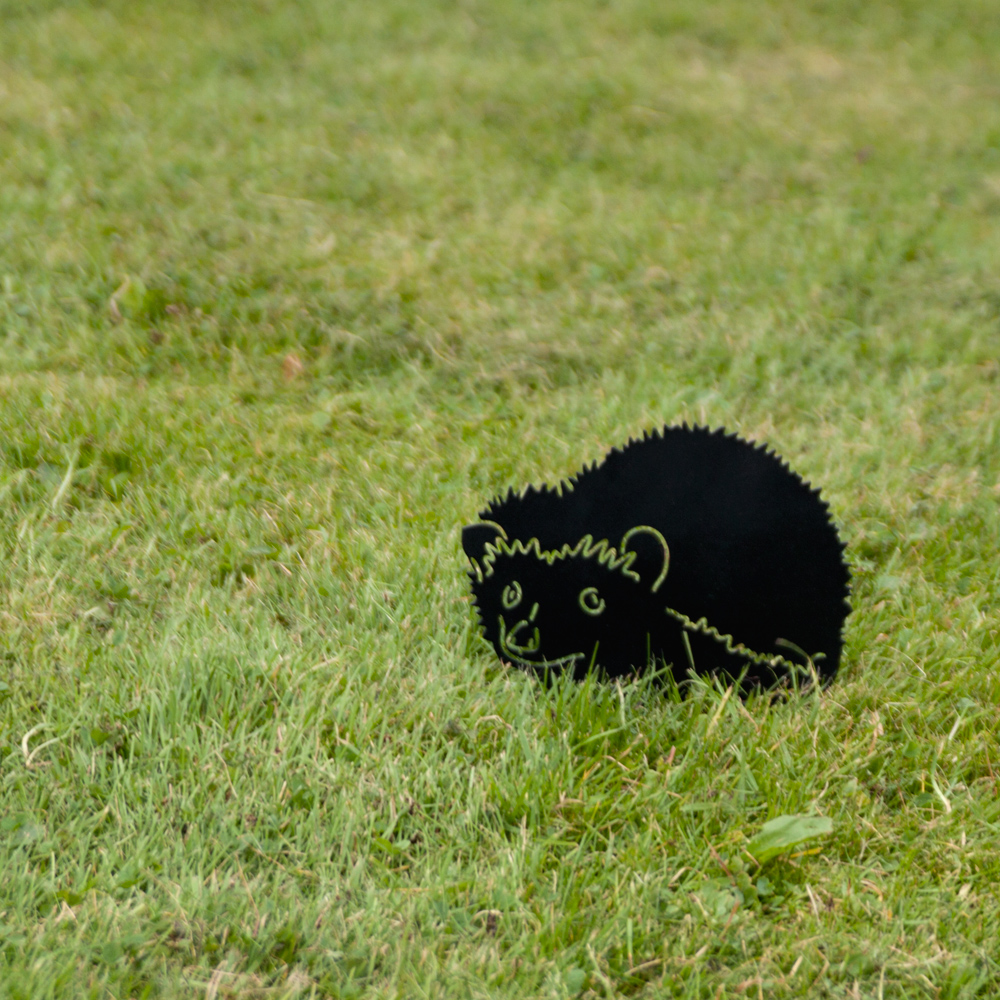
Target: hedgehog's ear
650, 552
475, 538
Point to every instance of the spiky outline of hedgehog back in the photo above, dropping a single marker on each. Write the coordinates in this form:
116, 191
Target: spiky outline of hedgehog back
753, 549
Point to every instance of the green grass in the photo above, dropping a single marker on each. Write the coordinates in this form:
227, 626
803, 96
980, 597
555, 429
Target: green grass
288, 290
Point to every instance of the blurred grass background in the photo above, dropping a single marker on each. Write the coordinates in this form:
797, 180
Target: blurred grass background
287, 291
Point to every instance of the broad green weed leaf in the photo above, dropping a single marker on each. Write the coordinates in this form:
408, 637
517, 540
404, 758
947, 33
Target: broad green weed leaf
782, 834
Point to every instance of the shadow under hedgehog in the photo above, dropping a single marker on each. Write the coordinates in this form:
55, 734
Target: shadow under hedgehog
691, 548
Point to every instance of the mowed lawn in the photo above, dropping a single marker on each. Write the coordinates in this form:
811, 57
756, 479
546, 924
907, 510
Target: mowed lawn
288, 290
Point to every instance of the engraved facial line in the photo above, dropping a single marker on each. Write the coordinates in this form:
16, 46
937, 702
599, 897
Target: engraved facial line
512, 650
533, 643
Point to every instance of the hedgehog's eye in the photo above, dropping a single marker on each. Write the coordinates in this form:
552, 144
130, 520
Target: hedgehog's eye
591, 601
511, 595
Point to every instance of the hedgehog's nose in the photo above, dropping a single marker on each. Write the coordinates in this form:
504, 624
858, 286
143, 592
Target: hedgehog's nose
531, 646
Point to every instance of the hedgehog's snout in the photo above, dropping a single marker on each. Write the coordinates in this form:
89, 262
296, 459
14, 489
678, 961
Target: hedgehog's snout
534, 639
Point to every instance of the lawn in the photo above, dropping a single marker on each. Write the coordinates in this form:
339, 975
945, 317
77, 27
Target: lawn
288, 290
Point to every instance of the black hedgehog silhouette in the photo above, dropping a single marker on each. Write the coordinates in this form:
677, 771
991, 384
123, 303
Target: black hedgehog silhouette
690, 547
